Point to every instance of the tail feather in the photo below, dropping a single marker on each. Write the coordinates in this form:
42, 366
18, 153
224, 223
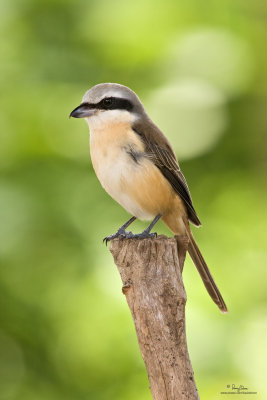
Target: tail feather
205, 274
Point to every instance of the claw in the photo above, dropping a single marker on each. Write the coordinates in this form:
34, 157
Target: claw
130, 235
120, 234
145, 235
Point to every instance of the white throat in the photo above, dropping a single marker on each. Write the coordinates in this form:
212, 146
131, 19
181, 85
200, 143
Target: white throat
105, 119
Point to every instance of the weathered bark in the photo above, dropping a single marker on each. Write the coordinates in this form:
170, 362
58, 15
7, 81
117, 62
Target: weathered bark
150, 270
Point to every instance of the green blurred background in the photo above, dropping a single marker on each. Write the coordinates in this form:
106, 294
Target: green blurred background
200, 67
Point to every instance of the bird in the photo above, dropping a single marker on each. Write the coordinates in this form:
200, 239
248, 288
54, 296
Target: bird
138, 168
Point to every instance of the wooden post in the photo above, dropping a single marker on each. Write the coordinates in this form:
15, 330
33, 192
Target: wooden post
150, 270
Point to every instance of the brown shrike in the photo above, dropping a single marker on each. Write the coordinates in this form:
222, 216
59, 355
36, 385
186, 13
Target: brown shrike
137, 166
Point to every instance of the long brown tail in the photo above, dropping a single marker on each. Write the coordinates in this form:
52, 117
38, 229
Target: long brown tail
205, 274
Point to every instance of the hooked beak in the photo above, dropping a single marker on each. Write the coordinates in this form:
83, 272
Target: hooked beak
82, 111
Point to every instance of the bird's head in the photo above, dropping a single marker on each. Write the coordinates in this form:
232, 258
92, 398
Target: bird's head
109, 102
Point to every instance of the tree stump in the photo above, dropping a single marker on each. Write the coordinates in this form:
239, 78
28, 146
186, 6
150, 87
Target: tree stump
151, 272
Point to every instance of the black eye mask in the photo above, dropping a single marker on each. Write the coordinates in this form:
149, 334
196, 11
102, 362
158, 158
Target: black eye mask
111, 103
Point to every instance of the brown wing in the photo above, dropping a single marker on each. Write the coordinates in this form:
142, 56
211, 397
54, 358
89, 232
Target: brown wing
160, 152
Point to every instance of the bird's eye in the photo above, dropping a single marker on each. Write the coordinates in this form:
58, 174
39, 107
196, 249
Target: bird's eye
107, 102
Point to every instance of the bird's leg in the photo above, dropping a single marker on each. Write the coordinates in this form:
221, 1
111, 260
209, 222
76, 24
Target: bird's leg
128, 235
146, 233
121, 232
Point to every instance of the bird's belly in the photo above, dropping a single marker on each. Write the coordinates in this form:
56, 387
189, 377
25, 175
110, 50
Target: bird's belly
137, 185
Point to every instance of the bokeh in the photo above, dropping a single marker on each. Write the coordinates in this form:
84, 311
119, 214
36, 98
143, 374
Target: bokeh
200, 68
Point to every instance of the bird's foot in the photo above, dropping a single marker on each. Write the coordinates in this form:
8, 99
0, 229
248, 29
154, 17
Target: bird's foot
144, 235
122, 234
